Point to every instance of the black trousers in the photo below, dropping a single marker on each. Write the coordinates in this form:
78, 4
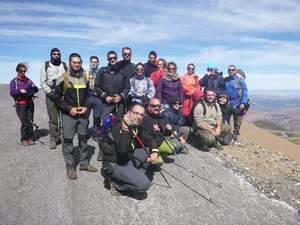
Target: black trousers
25, 114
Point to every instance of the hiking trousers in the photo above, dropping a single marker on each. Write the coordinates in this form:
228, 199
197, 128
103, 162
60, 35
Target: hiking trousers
53, 114
71, 126
95, 103
237, 120
25, 114
130, 176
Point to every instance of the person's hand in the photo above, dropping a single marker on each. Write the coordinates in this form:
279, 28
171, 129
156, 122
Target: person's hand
23, 91
217, 131
153, 157
117, 98
156, 127
81, 110
109, 99
73, 111
242, 106
168, 127
182, 141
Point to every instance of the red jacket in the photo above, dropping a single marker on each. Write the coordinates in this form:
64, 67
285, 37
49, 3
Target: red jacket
156, 76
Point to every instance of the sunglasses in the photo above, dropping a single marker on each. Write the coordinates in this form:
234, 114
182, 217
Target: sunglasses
177, 103
127, 54
112, 58
231, 69
138, 114
139, 69
171, 68
55, 53
155, 106
191, 68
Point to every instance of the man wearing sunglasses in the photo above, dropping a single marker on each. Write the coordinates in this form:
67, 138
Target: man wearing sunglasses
112, 86
126, 66
50, 72
237, 92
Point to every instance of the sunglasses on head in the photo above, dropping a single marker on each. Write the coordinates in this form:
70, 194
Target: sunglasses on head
155, 105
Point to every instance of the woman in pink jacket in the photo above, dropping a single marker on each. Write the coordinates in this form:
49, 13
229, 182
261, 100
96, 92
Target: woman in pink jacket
191, 89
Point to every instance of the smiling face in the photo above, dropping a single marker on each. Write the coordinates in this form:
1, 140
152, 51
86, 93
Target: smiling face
139, 70
136, 115
154, 106
152, 58
75, 63
112, 59
210, 96
126, 54
231, 70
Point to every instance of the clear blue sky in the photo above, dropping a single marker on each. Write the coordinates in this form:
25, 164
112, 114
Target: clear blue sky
261, 37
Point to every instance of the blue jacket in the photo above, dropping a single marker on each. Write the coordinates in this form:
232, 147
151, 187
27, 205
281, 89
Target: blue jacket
236, 90
174, 118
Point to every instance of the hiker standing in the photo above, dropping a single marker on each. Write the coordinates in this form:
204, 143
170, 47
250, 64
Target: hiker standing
141, 87
169, 86
124, 164
73, 89
50, 72
112, 87
212, 79
237, 93
160, 72
208, 122
126, 66
150, 66
22, 89
94, 101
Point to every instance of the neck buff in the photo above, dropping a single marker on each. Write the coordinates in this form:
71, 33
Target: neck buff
171, 76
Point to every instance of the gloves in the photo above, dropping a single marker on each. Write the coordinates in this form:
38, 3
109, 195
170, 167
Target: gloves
53, 97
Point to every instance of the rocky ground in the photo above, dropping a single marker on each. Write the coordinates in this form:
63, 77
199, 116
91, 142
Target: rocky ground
273, 174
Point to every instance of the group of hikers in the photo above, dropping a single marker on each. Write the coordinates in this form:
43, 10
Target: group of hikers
142, 113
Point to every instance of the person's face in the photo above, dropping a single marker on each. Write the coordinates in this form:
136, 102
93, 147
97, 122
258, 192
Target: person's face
152, 59
55, 55
211, 72
190, 69
94, 63
75, 64
231, 71
154, 106
126, 54
139, 70
22, 71
160, 64
176, 106
112, 59
210, 96
171, 69
222, 100
137, 114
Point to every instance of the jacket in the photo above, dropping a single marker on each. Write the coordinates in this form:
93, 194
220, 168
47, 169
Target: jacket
72, 89
109, 82
141, 87
236, 90
156, 76
127, 68
173, 117
149, 68
215, 82
19, 83
168, 89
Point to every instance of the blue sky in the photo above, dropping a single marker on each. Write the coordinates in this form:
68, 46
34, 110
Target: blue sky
261, 36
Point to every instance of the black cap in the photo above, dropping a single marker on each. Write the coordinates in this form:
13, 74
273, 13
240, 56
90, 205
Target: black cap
54, 50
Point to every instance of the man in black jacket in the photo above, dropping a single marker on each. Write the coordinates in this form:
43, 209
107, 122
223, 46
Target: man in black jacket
126, 66
72, 98
124, 165
112, 86
212, 80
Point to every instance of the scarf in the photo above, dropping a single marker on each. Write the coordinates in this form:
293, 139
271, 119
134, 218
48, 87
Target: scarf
139, 77
170, 76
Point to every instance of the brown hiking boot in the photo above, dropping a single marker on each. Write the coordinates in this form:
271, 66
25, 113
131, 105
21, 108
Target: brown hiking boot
88, 168
71, 173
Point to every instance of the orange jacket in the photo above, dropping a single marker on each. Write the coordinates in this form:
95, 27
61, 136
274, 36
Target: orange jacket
191, 86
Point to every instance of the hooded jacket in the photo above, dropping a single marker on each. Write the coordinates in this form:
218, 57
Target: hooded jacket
236, 90
215, 82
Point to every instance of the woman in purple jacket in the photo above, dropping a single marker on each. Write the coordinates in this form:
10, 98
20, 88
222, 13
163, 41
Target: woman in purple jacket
169, 86
22, 89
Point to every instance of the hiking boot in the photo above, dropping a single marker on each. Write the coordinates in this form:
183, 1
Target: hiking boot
30, 142
25, 143
88, 168
53, 144
71, 173
114, 191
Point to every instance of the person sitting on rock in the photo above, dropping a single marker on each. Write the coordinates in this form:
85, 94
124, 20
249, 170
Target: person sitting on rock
207, 117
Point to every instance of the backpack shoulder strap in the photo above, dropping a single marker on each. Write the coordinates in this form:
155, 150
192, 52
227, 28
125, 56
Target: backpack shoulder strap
65, 66
204, 107
66, 82
46, 68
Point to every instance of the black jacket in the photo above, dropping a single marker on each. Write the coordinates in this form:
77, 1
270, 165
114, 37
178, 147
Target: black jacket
110, 82
76, 92
151, 138
215, 82
117, 144
149, 68
227, 111
127, 68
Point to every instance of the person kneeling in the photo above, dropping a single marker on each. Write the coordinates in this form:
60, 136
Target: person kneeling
124, 165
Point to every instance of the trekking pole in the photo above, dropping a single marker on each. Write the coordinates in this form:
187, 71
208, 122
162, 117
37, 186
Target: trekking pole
144, 148
189, 170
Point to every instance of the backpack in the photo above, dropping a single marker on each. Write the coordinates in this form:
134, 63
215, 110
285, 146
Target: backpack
191, 117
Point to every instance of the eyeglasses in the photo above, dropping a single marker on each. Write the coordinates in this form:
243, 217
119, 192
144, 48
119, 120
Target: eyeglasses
94, 61
138, 114
177, 103
191, 68
171, 68
112, 58
231, 69
139, 69
127, 54
55, 53
155, 106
